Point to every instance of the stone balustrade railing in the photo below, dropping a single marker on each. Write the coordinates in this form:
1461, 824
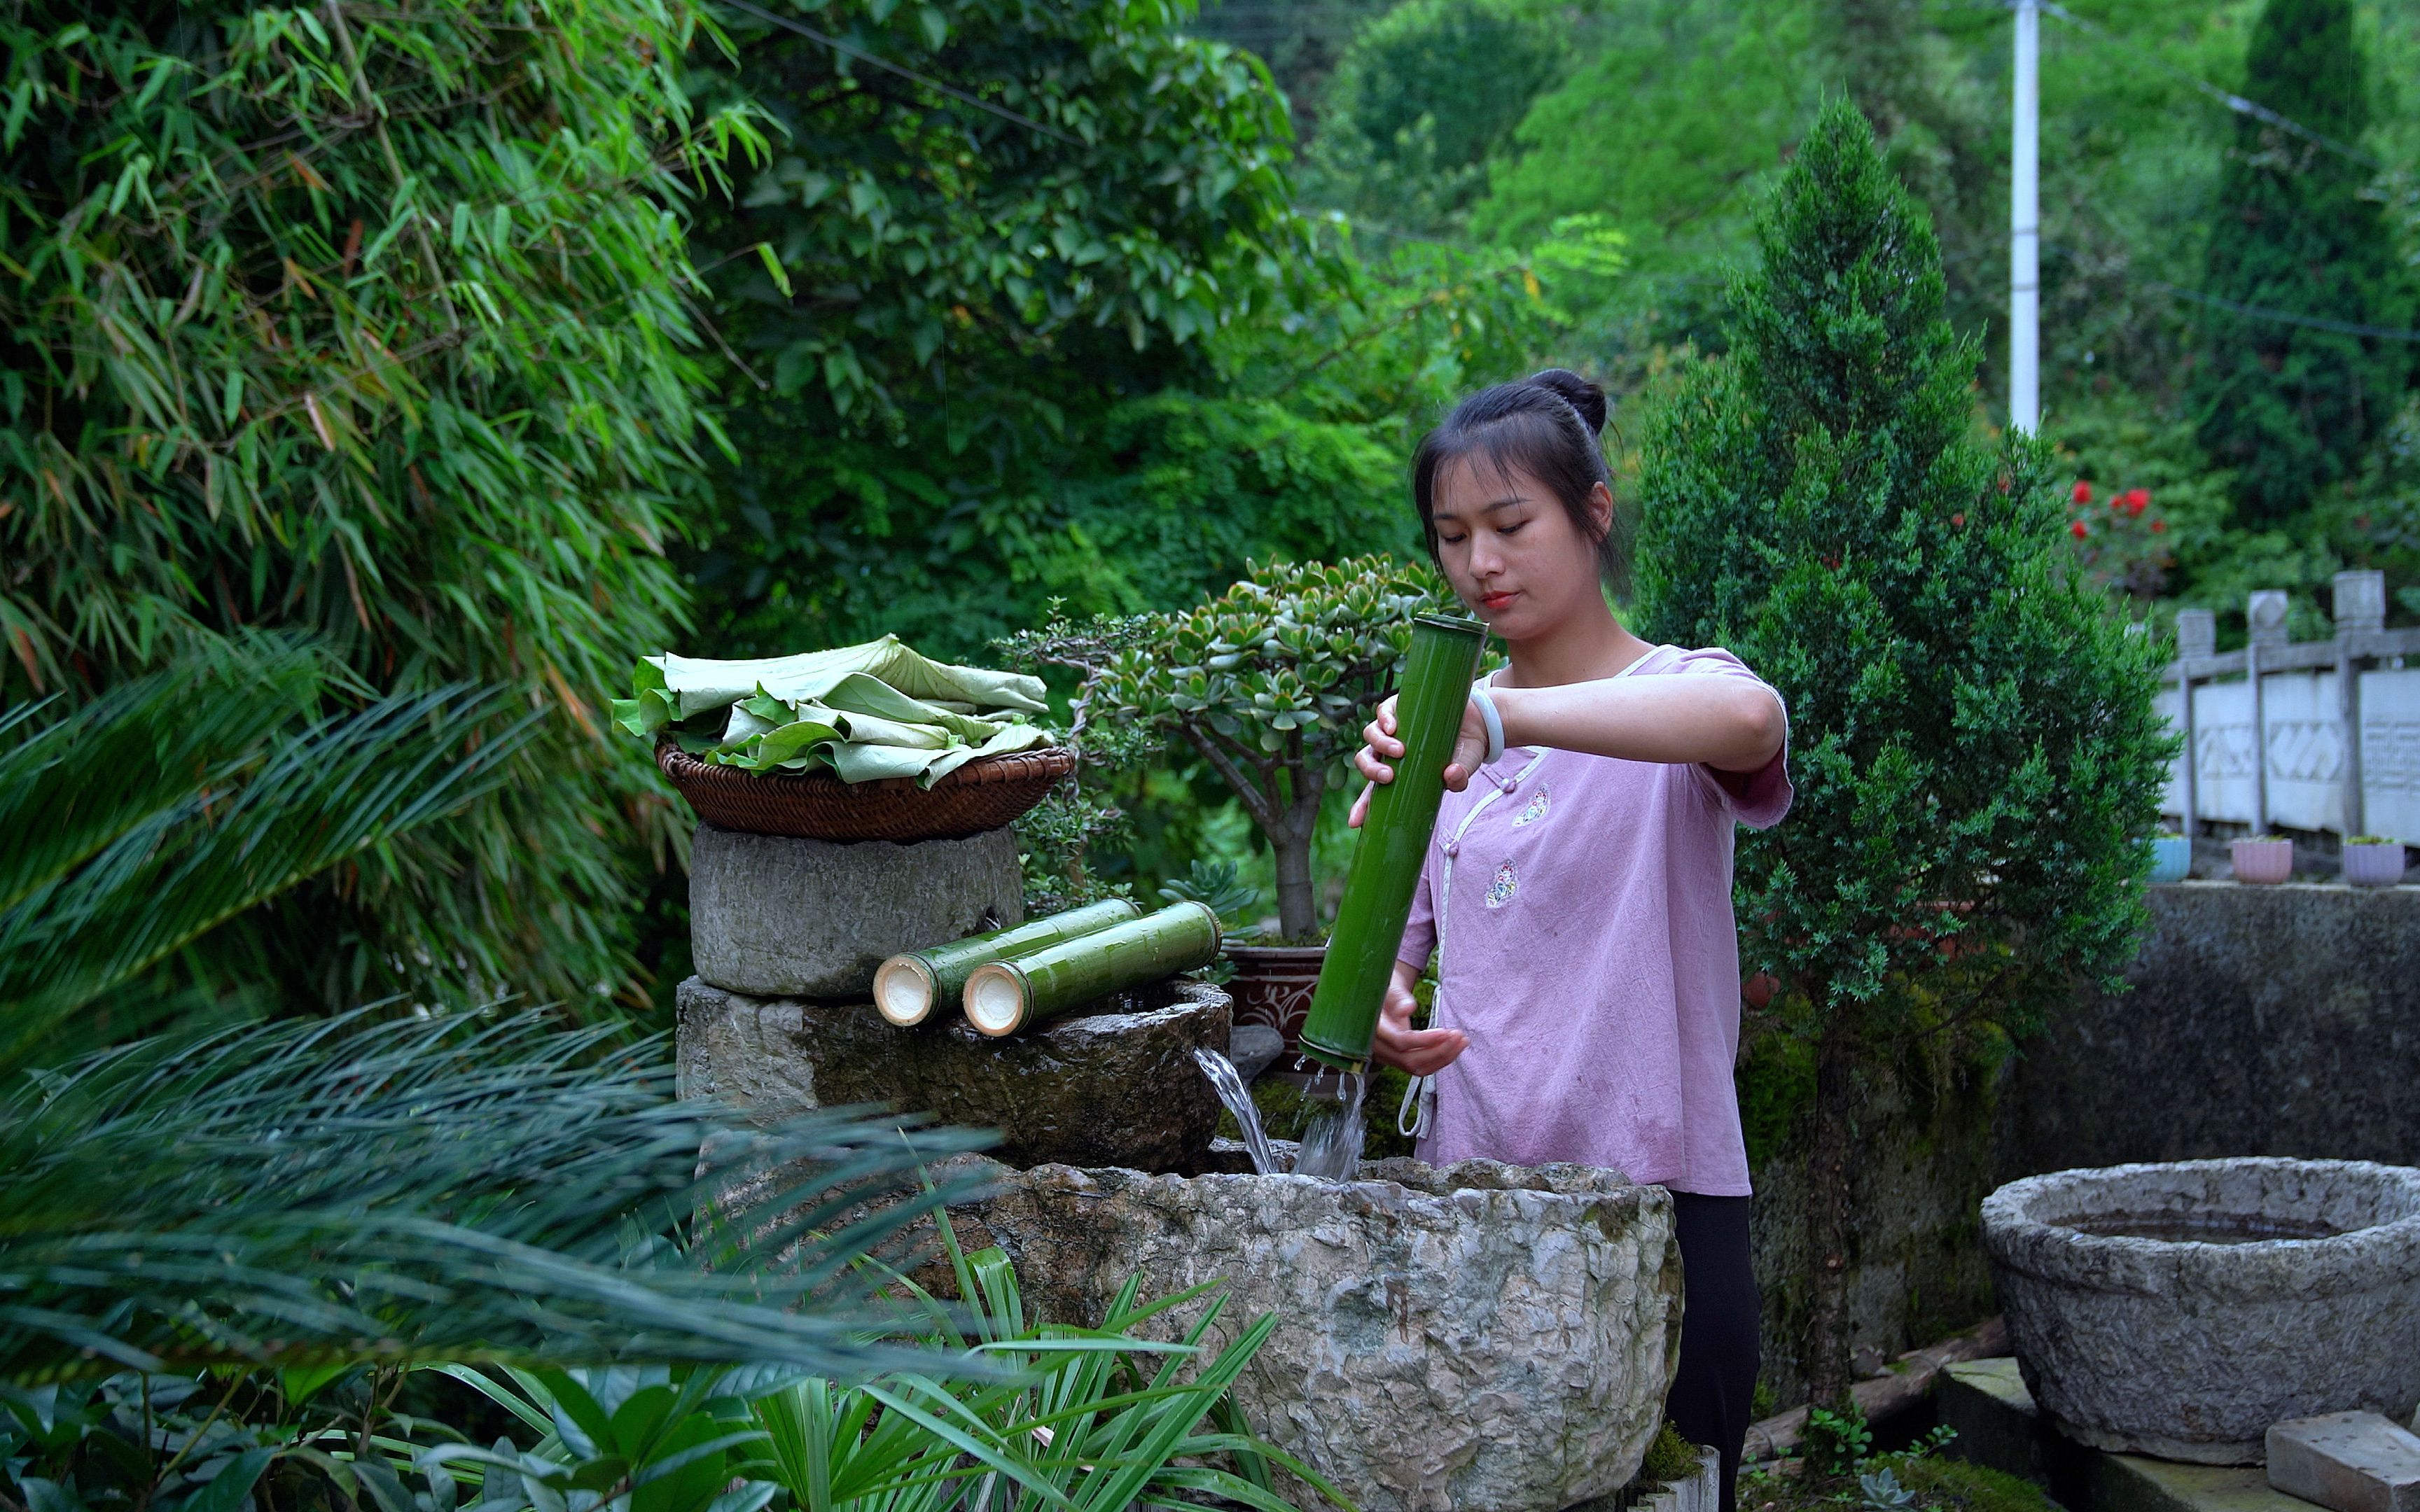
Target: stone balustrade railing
2320, 735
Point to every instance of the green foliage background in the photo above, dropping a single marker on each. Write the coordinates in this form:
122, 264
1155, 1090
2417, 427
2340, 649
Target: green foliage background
374, 328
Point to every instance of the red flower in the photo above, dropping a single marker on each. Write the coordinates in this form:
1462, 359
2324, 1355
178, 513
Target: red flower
2135, 498
2077, 530
1958, 520
2159, 525
2083, 494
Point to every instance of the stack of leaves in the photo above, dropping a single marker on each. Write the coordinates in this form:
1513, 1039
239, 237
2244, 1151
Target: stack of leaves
867, 712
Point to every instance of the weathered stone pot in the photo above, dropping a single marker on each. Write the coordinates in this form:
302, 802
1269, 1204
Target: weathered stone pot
1272, 986
2179, 1310
1483, 1335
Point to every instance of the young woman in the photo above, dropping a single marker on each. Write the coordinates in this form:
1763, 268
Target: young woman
1578, 888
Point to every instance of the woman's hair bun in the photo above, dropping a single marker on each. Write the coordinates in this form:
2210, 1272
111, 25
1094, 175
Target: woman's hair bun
1575, 391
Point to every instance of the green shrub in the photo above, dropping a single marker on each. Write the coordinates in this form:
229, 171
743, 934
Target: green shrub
1976, 754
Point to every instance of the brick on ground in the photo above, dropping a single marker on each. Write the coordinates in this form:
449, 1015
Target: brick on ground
2349, 1461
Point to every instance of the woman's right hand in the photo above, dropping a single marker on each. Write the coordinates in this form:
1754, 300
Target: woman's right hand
1379, 747
1420, 1051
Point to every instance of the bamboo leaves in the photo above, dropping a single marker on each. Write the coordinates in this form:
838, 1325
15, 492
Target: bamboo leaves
372, 325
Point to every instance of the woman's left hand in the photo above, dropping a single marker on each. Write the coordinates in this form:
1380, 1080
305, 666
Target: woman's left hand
1379, 747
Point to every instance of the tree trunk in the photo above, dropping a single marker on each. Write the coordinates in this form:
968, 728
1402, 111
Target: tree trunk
1298, 909
1827, 1221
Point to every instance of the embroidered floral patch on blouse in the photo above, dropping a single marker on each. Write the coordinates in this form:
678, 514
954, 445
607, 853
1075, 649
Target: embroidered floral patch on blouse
1532, 811
1502, 890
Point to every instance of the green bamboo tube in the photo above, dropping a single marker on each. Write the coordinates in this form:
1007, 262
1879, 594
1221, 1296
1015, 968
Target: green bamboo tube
1386, 867
1003, 996
907, 986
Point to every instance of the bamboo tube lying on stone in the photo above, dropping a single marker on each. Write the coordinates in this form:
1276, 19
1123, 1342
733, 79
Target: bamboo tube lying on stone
1003, 996
907, 986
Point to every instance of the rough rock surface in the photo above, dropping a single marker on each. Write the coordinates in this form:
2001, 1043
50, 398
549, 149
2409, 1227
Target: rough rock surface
810, 918
1481, 1337
2190, 1351
1118, 1087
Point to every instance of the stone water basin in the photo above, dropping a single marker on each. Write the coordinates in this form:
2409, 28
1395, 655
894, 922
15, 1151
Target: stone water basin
1481, 1335
2180, 1309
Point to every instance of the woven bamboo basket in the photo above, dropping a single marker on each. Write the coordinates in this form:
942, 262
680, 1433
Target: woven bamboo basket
981, 796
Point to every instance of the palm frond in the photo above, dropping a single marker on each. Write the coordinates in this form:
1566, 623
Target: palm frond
470, 1187
136, 825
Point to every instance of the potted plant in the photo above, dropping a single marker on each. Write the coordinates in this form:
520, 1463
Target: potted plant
2264, 859
2373, 862
2171, 859
1269, 682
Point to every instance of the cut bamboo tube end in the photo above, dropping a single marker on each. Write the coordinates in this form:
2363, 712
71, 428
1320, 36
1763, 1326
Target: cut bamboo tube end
904, 991
995, 1000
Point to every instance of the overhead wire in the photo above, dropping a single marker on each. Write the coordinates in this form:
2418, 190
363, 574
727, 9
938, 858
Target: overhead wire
2226, 97
937, 86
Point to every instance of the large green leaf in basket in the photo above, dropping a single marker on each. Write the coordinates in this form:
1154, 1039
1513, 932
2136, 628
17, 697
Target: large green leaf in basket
685, 686
837, 709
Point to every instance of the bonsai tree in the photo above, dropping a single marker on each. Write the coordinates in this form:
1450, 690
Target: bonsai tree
1270, 682
1977, 757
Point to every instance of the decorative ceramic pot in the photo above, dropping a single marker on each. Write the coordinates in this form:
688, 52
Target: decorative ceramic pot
2171, 859
2262, 860
2374, 865
1272, 986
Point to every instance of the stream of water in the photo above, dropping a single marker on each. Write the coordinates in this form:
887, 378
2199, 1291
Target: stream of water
1229, 1084
1331, 1146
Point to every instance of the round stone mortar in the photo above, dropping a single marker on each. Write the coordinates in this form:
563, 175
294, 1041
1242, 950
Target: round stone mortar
2188, 1348
1483, 1335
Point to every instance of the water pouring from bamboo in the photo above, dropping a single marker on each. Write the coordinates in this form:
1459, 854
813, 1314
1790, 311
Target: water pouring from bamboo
1003, 996
909, 986
1386, 867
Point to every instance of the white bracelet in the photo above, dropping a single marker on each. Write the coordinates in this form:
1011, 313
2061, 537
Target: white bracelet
1494, 723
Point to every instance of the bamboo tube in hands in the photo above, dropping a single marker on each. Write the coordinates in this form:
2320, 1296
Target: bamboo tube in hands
907, 986
1385, 872
1003, 996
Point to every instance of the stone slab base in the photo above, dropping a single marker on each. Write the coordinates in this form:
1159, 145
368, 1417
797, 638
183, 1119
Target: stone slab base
2350, 1461
1999, 1427
782, 918
1114, 1088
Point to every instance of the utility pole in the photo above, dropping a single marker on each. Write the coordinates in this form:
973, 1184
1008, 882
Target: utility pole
2024, 226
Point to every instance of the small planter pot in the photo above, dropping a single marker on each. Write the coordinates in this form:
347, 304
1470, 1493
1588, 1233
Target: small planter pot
2374, 866
2262, 860
1272, 986
2171, 859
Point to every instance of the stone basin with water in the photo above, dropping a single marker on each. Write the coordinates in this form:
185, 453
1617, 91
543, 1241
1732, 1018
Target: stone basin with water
2181, 1309
1479, 1337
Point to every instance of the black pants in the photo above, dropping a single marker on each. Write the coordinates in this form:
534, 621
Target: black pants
1721, 1348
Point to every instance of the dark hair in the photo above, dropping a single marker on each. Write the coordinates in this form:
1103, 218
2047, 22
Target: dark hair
1548, 426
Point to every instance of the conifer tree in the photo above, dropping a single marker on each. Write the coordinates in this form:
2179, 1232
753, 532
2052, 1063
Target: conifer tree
2290, 406
1973, 741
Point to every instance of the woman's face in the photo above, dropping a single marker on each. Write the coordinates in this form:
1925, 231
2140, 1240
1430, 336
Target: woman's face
1510, 548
